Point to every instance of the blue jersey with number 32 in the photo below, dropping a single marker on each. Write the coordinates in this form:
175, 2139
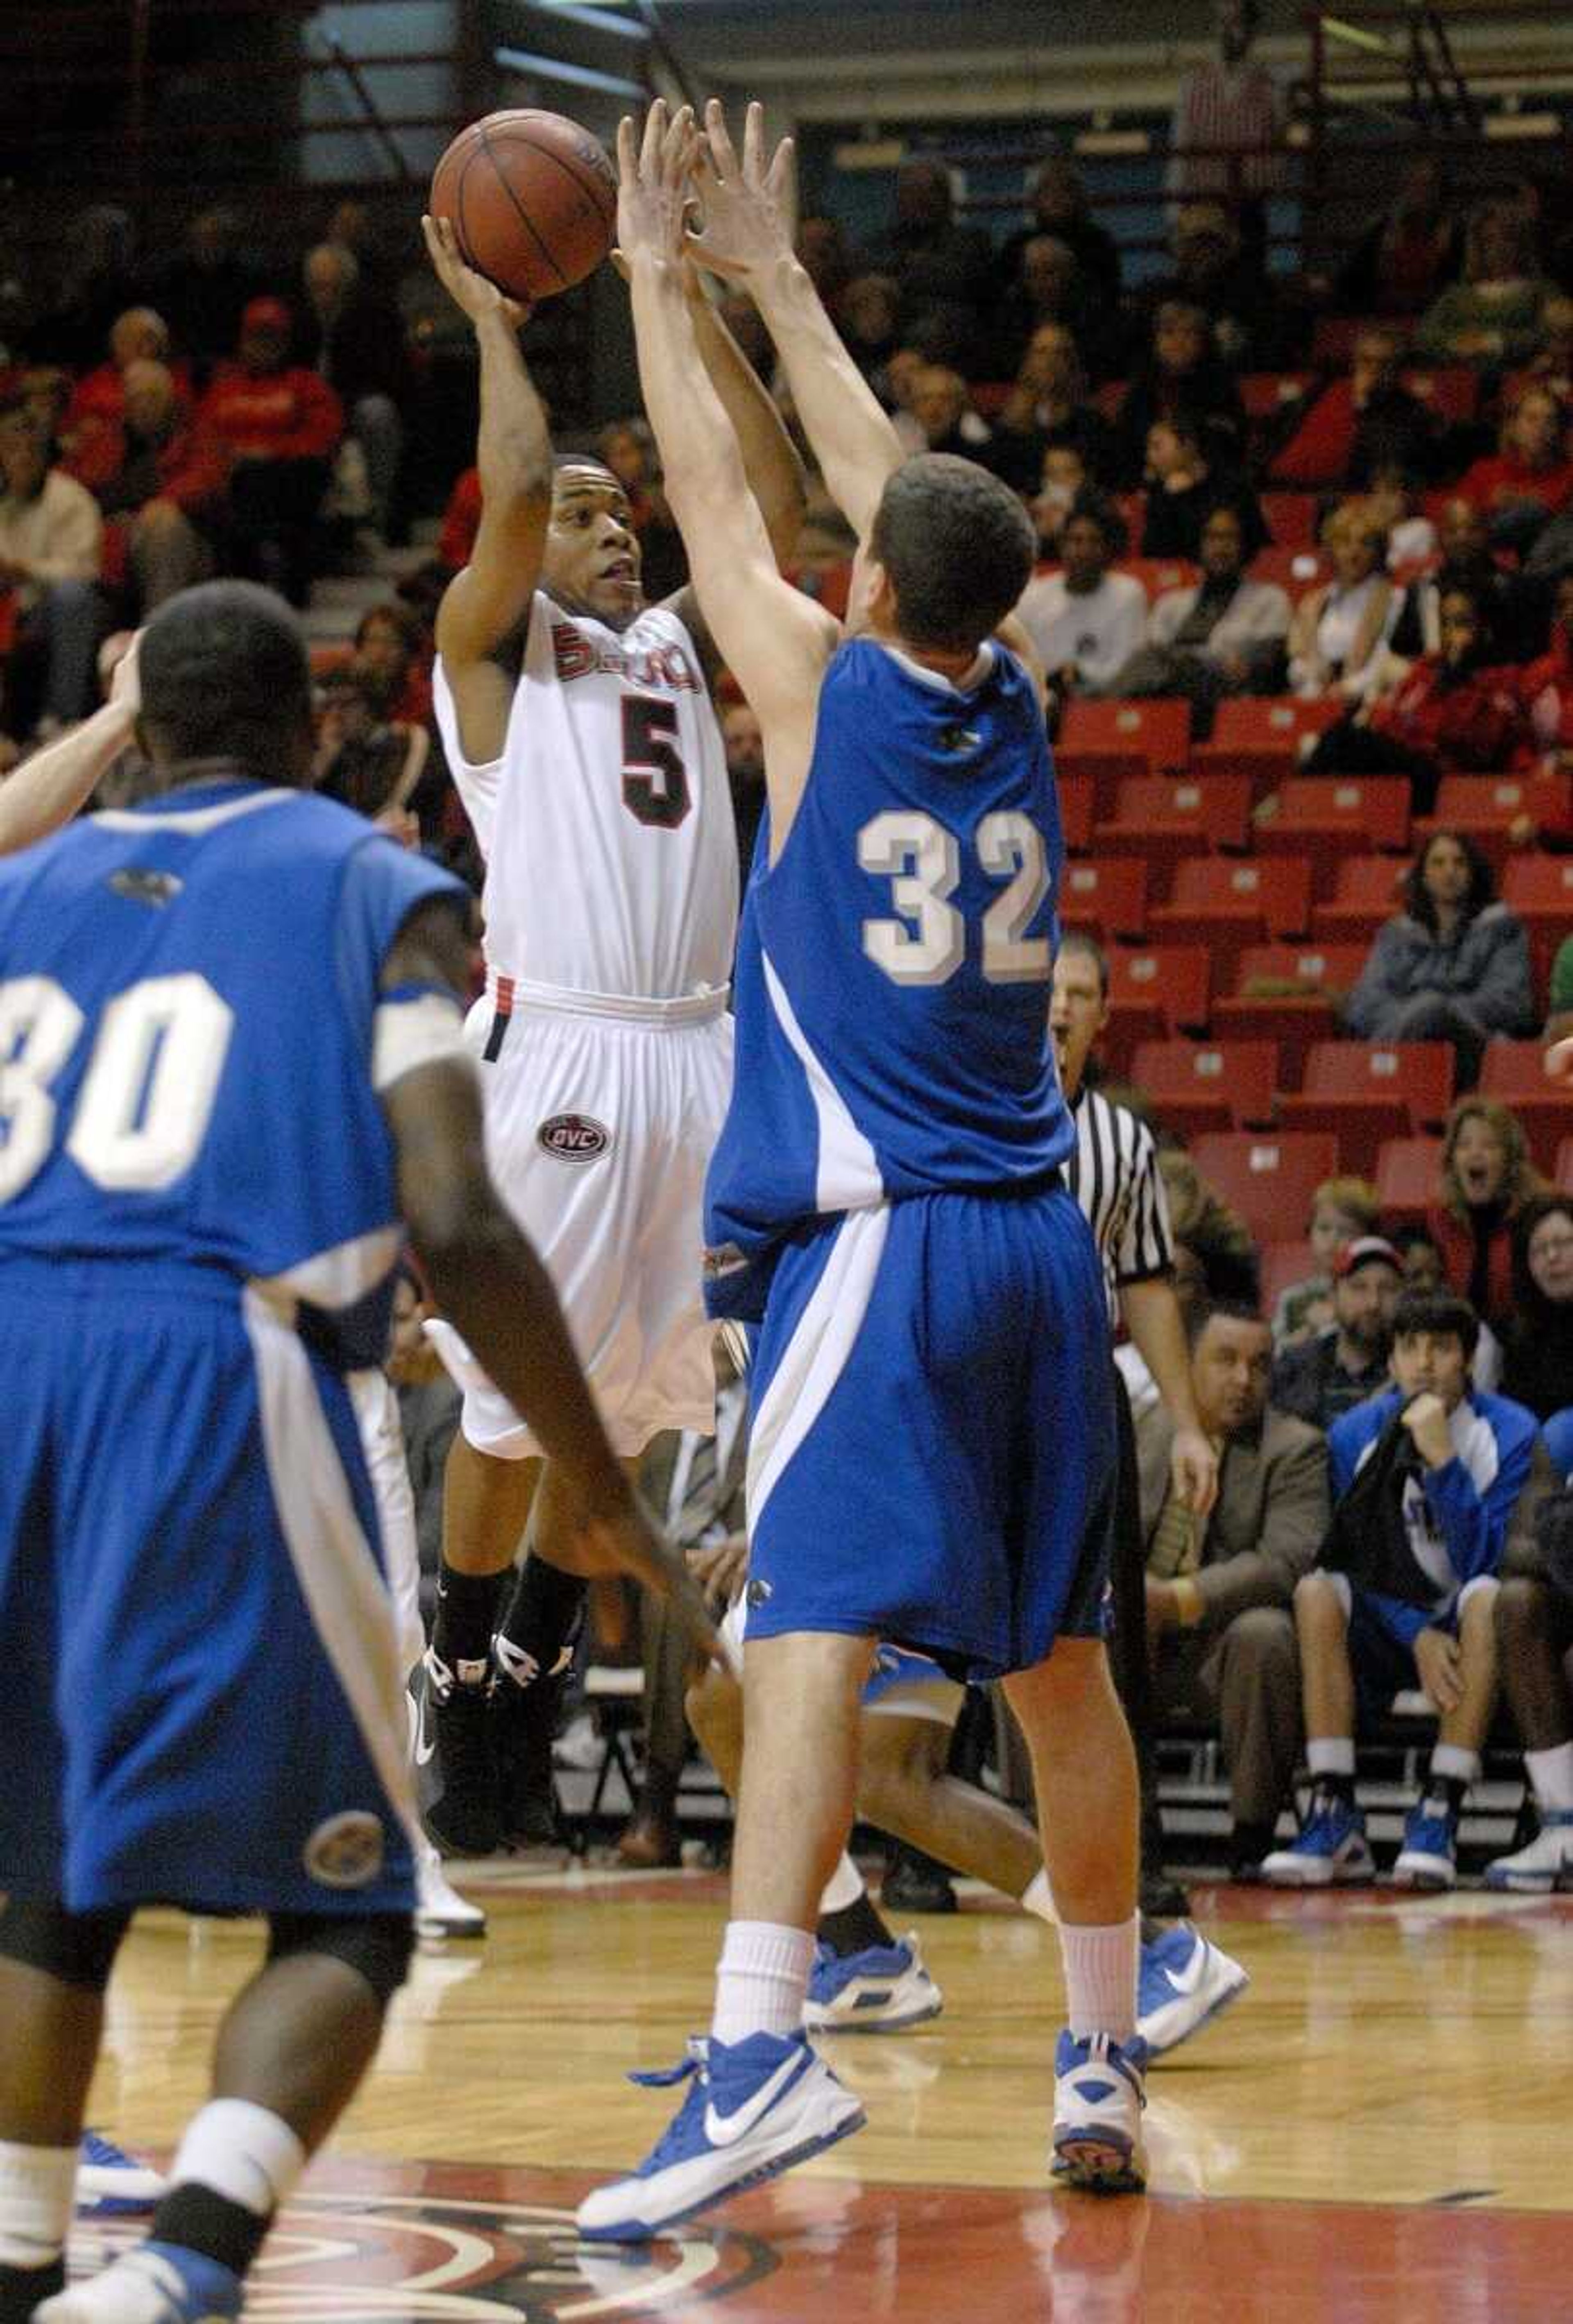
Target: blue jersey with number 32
894, 963
189, 992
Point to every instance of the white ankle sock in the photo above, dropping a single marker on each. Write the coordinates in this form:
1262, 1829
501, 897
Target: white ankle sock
762, 1981
38, 2187
1038, 1897
1550, 1773
1100, 1977
1330, 1755
844, 1887
243, 2153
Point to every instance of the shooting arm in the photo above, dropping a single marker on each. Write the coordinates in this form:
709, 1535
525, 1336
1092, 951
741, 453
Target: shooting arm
775, 472
848, 433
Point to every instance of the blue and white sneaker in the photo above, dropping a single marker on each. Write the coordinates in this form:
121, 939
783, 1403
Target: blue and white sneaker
1428, 1857
884, 1989
1546, 1864
1182, 1981
1098, 2097
1332, 1849
753, 2109
156, 2283
110, 2182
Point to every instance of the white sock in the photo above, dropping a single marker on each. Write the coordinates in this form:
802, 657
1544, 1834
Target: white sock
1550, 1774
844, 1887
1038, 1897
1330, 1755
38, 2187
243, 2153
1451, 1764
1100, 1978
762, 1981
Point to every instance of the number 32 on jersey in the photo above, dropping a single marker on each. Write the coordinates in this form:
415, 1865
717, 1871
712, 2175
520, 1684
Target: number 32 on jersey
922, 862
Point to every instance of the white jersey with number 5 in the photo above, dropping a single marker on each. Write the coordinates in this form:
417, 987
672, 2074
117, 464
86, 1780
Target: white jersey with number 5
606, 824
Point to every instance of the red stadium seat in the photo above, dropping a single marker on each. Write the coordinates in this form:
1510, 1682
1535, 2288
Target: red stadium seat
1514, 1072
1228, 905
1268, 1177
1369, 1091
1452, 390
1078, 810
1563, 1173
1201, 1085
1332, 817
1265, 394
1175, 814
1292, 519
1296, 571
1484, 806
1154, 994
1283, 1264
1159, 575
1409, 1172
1539, 889
1108, 896
1159, 732
1264, 738
1367, 894
1284, 993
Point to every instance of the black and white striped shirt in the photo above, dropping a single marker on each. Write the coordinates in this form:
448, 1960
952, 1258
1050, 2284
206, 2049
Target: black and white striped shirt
1114, 1176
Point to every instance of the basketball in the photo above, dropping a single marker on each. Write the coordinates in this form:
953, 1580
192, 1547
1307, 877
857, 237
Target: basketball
533, 201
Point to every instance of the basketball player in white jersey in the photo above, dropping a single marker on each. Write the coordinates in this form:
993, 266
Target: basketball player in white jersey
577, 724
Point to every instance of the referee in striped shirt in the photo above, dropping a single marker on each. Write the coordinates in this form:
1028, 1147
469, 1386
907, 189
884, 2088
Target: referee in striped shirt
1114, 1176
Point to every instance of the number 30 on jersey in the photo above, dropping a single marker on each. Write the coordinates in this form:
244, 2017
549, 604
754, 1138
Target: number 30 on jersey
922, 862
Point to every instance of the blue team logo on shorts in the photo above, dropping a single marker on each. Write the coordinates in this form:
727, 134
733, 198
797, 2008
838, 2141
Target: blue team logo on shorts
346, 1852
574, 1138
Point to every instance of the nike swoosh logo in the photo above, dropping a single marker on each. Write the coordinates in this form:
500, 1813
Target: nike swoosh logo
725, 2130
1186, 1980
425, 1741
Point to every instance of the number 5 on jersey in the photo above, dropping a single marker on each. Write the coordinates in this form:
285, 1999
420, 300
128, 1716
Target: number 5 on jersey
922, 862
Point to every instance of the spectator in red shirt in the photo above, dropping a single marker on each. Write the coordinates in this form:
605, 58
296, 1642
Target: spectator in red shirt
1356, 425
90, 429
1532, 477
281, 424
165, 500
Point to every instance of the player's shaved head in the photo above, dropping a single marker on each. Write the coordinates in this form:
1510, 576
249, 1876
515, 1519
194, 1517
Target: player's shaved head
957, 548
224, 675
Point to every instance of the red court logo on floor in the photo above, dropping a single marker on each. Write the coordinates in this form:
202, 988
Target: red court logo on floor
437, 2259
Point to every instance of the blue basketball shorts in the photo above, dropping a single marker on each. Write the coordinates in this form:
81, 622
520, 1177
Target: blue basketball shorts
931, 1449
202, 1703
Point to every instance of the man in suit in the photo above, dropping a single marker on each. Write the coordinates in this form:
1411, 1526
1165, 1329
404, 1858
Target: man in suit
1219, 1589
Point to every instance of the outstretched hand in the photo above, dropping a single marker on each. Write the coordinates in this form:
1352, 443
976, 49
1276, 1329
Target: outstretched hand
654, 185
749, 206
473, 293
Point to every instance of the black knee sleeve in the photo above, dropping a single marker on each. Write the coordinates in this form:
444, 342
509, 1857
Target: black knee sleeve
79, 1947
376, 1945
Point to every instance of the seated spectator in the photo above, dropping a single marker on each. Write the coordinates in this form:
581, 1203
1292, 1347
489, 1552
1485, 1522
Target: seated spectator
204, 289
1425, 1483
1406, 258
1183, 489
1061, 488
941, 406
1546, 687
1047, 408
1531, 477
1339, 1367
1495, 315
1342, 1210
1218, 1591
1340, 629
1392, 504
1486, 1180
1213, 274
280, 424
354, 340
1181, 380
1223, 636
869, 319
942, 268
1534, 1641
51, 611
167, 502
391, 642
1559, 1023
1084, 620
1453, 966
1352, 426
90, 431
1424, 1270
1466, 563
363, 758
1060, 208
1049, 292
1538, 1341
1452, 712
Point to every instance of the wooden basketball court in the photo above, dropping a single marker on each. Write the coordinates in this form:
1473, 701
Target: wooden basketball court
1379, 2128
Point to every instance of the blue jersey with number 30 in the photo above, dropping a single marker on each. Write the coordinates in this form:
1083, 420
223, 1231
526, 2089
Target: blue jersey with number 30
893, 965
188, 1001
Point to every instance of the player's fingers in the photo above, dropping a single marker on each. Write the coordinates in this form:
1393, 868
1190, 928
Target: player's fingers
780, 183
754, 144
720, 142
627, 151
654, 131
676, 146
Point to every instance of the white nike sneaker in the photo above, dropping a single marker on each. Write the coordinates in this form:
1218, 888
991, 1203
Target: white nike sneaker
884, 1989
1544, 1865
1098, 2097
753, 2109
1183, 1982
110, 2180
439, 1910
